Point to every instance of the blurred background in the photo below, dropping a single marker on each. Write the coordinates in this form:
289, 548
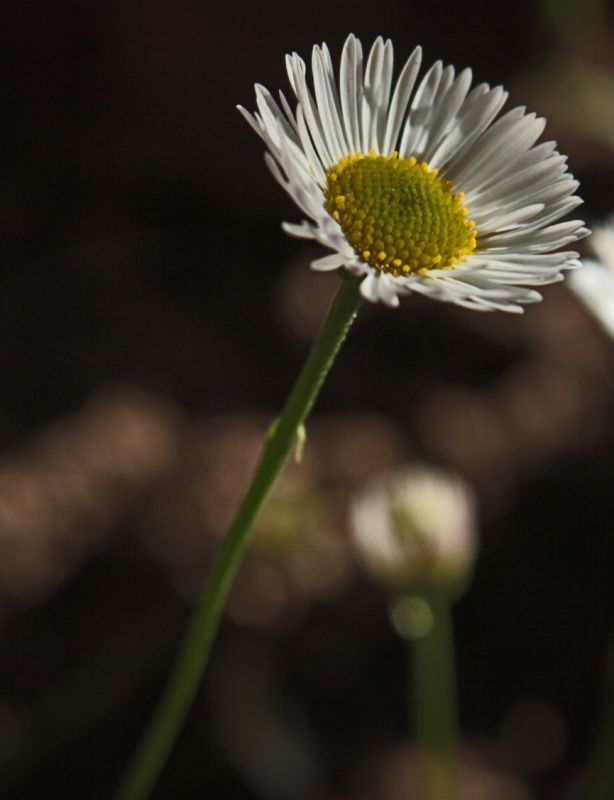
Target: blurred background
153, 317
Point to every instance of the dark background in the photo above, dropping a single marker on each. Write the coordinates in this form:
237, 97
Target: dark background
152, 318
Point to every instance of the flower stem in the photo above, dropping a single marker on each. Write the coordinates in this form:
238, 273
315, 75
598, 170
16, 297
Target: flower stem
602, 771
434, 700
193, 656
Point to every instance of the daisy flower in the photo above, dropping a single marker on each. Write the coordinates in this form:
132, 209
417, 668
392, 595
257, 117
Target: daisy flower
419, 185
594, 284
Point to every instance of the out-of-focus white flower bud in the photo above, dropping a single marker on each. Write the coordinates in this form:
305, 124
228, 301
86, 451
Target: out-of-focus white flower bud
594, 284
415, 530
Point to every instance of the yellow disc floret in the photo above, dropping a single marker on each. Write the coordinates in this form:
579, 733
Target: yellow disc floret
397, 214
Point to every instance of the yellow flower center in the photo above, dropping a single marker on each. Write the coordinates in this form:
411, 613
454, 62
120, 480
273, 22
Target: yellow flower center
397, 214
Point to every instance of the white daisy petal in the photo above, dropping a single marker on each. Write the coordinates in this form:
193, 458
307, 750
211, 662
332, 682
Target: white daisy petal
473, 120
553, 212
271, 114
296, 72
384, 88
330, 235
369, 288
400, 98
328, 105
530, 160
377, 82
447, 110
328, 263
532, 236
302, 231
420, 108
304, 199
530, 262
528, 176
511, 278
476, 283
357, 268
253, 122
312, 157
505, 219
350, 90
478, 234
286, 108
388, 290
480, 163
369, 98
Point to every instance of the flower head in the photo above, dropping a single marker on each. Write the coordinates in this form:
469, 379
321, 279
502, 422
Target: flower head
416, 186
416, 528
594, 284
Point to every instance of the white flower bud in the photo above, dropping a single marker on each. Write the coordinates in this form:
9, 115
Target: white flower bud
415, 529
594, 284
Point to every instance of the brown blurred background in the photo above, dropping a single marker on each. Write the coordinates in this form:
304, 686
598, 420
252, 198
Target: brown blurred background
153, 317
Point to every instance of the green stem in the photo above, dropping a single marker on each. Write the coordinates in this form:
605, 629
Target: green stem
602, 771
192, 659
434, 700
